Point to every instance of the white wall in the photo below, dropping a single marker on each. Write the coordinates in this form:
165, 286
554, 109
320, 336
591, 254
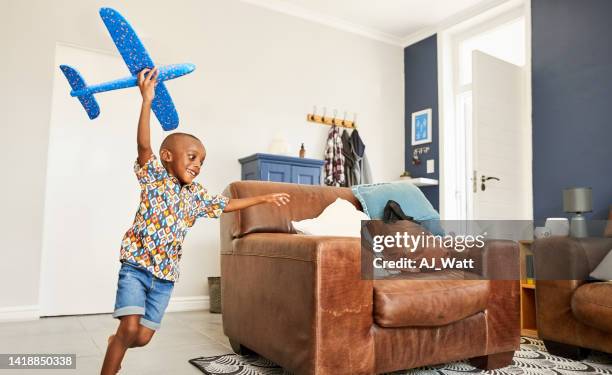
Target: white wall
258, 73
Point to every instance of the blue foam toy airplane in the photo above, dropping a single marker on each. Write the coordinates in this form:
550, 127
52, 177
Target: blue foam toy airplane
136, 58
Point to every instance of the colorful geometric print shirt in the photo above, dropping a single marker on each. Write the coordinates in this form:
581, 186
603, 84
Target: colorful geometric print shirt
167, 210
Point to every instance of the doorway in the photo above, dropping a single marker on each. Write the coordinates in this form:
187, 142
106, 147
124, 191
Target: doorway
485, 128
90, 188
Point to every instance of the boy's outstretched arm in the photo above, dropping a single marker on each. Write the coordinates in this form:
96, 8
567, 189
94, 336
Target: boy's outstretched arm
280, 199
147, 90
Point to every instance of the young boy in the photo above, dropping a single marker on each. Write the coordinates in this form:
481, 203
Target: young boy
170, 202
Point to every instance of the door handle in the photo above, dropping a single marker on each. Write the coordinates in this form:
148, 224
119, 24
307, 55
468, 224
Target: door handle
484, 179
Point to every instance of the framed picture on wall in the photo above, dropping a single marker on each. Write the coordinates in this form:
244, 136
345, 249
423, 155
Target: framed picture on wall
421, 127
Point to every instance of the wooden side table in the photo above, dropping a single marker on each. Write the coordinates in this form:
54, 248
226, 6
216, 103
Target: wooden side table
529, 325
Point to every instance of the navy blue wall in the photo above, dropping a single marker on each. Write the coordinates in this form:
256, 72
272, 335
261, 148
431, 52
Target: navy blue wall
572, 102
421, 92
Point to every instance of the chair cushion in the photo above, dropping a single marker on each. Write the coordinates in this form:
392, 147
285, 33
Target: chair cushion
427, 302
340, 218
603, 271
592, 305
374, 198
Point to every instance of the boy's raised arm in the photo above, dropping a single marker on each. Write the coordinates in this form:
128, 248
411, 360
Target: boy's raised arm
147, 90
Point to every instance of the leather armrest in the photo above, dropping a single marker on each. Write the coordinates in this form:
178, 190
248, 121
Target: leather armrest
306, 294
567, 258
562, 264
497, 260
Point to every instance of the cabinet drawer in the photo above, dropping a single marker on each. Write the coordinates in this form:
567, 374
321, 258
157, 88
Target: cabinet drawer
275, 172
305, 175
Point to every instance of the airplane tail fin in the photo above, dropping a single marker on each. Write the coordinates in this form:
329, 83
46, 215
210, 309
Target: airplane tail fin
78, 83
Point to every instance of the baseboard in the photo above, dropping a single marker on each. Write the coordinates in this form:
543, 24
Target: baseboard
188, 303
32, 312
19, 313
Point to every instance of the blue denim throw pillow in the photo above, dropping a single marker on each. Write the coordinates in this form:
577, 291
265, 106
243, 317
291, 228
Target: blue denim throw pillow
374, 198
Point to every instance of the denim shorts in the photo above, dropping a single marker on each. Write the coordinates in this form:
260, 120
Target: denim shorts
141, 293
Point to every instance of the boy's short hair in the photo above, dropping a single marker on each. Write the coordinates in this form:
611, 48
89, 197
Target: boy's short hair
170, 141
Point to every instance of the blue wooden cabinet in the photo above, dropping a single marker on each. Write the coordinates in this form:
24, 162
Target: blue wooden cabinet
278, 168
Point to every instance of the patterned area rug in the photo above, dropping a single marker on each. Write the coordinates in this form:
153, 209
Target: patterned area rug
532, 358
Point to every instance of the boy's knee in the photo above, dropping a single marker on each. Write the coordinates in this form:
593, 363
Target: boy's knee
141, 341
128, 333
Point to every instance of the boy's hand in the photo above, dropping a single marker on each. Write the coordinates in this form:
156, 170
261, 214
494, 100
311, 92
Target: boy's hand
147, 83
280, 199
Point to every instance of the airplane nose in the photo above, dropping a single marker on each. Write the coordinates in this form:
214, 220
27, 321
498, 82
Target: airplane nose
184, 68
168, 72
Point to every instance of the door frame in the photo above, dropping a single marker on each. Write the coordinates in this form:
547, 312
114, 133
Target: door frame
47, 272
447, 76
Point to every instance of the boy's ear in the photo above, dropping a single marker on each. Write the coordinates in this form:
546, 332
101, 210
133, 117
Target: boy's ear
165, 155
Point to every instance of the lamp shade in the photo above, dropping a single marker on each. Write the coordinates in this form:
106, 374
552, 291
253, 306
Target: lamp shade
577, 199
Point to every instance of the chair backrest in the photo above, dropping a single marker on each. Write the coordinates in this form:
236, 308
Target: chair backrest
307, 201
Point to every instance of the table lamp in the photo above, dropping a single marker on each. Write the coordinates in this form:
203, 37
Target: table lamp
578, 200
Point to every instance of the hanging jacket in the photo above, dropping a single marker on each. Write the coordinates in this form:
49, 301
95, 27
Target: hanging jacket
357, 142
349, 159
334, 160
361, 168
366, 172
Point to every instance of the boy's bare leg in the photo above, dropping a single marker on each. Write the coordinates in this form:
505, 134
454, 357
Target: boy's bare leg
126, 336
144, 336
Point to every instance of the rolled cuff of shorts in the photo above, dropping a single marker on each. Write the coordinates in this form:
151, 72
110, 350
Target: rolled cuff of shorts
149, 324
129, 310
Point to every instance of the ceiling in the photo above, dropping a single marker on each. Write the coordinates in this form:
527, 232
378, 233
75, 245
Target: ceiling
390, 20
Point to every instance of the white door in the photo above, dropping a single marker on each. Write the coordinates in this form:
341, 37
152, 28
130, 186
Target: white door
91, 192
500, 141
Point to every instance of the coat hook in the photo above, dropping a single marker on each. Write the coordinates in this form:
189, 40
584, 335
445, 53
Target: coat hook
324, 113
313, 117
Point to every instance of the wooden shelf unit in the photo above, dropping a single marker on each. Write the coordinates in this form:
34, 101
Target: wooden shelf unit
529, 321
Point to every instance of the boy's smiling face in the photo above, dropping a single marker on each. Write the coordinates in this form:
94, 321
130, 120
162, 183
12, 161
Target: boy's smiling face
182, 155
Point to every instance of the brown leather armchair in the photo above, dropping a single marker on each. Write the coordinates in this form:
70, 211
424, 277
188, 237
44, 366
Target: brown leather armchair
301, 302
573, 315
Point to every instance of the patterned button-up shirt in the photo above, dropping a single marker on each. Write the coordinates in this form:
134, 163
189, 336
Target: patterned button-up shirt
334, 160
167, 210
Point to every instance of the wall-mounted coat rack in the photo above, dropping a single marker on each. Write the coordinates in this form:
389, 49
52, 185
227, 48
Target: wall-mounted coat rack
331, 120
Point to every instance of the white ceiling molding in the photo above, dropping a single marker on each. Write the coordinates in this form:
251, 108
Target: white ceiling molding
372, 33
335, 22
456, 19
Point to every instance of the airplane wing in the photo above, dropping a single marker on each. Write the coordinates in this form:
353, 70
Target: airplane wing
163, 107
130, 47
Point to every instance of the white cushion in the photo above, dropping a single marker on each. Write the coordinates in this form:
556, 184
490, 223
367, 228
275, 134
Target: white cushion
604, 270
340, 218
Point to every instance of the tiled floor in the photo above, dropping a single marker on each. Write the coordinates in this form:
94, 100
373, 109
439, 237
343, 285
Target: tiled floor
183, 335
